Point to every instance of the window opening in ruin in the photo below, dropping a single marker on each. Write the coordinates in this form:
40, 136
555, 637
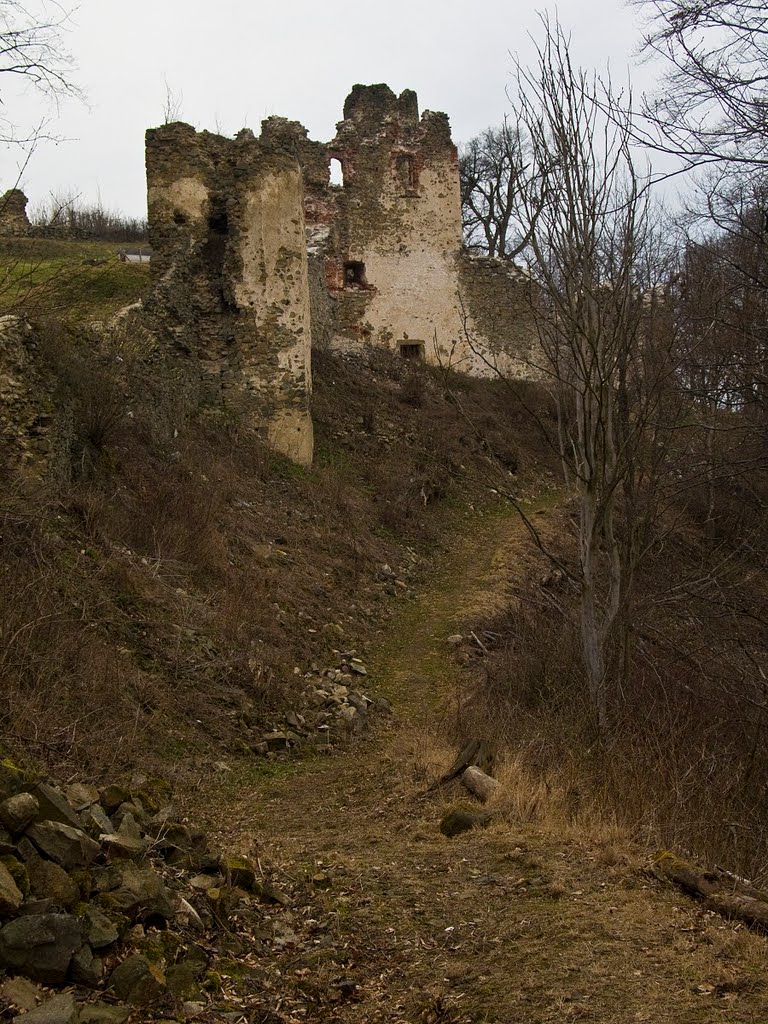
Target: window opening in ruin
354, 274
336, 172
405, 165
218, 222
412, 349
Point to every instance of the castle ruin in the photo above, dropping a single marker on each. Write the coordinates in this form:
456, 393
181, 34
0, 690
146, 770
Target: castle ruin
258, 254
13, 213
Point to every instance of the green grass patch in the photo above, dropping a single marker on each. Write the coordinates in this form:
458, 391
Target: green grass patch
74, 281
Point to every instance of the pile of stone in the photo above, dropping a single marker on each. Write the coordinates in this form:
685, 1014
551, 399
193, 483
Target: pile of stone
105, 891
334, 708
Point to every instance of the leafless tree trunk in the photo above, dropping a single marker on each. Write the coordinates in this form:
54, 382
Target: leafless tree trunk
589, 247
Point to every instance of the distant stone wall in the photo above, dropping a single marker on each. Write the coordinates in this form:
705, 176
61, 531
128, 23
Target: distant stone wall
256, 253
392, 244
230, 270
498, 305
13, 213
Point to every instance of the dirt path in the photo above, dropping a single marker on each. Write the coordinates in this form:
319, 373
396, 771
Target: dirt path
390, 921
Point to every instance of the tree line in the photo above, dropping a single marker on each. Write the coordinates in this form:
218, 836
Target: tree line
652, 326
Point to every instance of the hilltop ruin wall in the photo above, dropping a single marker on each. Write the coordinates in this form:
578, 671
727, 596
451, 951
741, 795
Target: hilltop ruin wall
230, 271
13, 213
391, 240
257, 254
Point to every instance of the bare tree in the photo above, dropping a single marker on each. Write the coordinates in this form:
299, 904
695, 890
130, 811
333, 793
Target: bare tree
32, 48
711, 103
172, 104
490, 168
594, 250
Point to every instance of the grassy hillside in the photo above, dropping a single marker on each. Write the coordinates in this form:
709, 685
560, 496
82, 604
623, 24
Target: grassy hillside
177, 576
76, 282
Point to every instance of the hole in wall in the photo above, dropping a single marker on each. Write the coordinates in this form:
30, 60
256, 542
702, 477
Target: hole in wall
405, 168
218, 222
179, 217
354, 274
412, 349
335, 172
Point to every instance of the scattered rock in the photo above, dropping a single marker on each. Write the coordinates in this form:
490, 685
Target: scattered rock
112, 796
22, 994
11, 897
70, 847
104, 1013
124, 842
41, 946
99, 930
81, 796
455, 639
49, 881
137, 981
95, 821
239, 871
62, 1009
18, 811
459, 820
86, 969
53, 806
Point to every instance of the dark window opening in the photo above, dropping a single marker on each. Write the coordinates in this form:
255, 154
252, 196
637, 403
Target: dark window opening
179, 217
217, 221
354, 274
405, 165
412, 349
335, 172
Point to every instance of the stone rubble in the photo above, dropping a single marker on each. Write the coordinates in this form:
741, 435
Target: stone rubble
105, 891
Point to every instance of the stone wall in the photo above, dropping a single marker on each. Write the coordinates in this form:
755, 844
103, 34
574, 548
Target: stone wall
391, 240
13, 213
230, 271
252, 243
498, 306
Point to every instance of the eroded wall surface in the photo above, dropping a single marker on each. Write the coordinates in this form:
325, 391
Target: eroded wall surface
390, 236
13, 213
230, 271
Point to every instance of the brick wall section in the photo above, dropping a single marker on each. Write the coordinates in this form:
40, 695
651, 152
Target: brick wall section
391, 241
229, 268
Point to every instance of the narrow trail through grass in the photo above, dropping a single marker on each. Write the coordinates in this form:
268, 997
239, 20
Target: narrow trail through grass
519, 922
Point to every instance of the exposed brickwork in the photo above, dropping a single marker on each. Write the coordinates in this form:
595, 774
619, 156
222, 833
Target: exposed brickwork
391, 239
238, 279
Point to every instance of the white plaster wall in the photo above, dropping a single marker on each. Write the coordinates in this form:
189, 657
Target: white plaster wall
274, 286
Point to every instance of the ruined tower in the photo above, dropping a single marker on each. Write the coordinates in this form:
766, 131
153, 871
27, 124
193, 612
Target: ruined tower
229, 268
13, 213
390, 236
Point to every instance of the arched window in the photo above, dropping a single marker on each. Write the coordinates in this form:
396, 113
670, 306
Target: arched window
336, 175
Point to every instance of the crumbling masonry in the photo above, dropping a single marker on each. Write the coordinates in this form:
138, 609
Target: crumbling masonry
257, 255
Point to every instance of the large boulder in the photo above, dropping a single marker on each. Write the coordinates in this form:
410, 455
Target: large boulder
68, 846
16, 812
62, 1009
41, 946
10, 895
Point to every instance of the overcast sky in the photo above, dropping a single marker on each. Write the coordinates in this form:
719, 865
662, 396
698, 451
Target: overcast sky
235, 62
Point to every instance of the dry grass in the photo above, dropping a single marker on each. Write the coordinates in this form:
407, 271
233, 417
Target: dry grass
172, 571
